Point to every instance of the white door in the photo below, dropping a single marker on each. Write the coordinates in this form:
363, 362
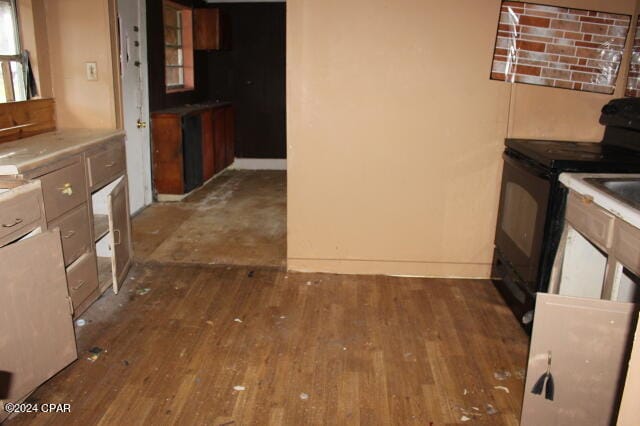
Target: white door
135, 100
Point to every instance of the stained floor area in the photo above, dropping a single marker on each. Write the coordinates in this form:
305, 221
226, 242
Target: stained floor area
238, 218
188, 342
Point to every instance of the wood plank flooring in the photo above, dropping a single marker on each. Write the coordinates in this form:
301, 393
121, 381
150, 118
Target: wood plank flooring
191, 342
364, 350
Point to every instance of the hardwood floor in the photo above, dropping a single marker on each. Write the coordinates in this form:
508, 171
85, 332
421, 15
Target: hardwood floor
366, 350
193, 343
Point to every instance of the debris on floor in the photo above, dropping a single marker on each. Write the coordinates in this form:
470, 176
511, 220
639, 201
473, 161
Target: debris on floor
95, 353
465, 392
143, 291
501, 374
520, 374
251, 273
502, 388
125, 362
465, 418
237, 320
81, 322
239, 388
490, 409
209, 322
304, 396
282, 316
309, 283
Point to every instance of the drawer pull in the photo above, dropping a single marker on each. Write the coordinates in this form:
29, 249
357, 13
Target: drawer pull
69, 235
116, 241
80, 284
110, 164
67, 189
11, 225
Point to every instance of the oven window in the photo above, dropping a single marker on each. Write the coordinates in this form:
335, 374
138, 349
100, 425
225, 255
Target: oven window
519, 217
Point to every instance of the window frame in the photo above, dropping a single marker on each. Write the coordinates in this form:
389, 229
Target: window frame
6, 60
184, 46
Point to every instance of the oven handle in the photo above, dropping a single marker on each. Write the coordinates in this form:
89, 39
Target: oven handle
526, 165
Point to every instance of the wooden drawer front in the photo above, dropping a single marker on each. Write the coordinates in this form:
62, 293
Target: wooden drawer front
74, 232
627, 245
63, 190
590, 220
82, 278
105, 165
19, 215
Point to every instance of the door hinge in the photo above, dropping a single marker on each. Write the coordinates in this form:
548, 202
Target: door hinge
70, 302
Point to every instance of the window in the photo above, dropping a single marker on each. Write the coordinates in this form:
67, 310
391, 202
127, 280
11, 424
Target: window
12, 75
178, 47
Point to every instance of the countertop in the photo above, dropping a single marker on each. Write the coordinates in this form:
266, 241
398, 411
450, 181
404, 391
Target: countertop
186, 109
21, 155
576, 182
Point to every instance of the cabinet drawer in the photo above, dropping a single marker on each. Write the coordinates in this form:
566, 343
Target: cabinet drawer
105, 165
20, 212
590, 220
74, 232
82, 278
63, 190
627, 246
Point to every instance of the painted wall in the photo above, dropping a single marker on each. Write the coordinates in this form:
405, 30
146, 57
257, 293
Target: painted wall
78, 32
395, 133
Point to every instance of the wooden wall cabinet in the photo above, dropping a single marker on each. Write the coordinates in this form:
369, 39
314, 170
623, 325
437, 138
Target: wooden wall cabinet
190, 145
208, 30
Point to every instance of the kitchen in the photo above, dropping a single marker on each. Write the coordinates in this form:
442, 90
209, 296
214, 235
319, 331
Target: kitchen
388, 180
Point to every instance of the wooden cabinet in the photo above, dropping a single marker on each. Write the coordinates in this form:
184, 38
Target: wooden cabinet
190, 145
210, 30
35, 311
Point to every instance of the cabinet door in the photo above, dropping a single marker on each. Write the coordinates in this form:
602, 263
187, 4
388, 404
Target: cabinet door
208, 161
36, 330
218, 138
206, 29
120, 231
589, 343
229, 136
192, 151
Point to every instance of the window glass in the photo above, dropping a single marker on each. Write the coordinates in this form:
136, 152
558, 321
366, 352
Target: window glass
8, 41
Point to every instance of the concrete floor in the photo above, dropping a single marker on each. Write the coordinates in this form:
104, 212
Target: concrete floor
239, 218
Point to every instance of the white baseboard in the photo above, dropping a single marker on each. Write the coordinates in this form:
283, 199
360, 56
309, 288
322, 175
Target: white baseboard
259, 164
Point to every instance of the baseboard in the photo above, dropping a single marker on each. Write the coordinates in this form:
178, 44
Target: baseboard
259, 164
393, 268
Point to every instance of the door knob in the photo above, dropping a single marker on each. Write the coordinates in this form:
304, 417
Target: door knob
141, 124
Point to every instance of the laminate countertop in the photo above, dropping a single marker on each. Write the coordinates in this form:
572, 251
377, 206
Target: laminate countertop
22, 155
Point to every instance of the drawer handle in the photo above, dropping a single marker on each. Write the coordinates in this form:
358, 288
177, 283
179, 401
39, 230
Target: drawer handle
66, 189
69, 235
110, 164
11, 225
80, 284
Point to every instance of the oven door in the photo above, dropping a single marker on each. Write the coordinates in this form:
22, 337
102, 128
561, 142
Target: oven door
521, 217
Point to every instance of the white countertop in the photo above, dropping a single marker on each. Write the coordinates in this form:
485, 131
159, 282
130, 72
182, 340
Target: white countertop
576, 182
24, 154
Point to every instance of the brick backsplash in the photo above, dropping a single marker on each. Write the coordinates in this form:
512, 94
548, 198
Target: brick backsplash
559, 47
633, 79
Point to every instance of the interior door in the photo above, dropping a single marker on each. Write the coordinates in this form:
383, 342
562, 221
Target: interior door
36, 329
588, 343
120, 234
135, 99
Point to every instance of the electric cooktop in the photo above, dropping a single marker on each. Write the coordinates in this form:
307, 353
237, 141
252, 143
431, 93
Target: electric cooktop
574, 156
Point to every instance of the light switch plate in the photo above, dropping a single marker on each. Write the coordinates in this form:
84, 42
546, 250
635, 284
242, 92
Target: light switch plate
91, 69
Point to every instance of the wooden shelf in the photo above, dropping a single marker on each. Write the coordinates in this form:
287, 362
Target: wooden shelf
100, 225
105, 277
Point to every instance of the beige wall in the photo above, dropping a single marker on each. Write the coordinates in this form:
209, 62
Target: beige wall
395, 133
78, 32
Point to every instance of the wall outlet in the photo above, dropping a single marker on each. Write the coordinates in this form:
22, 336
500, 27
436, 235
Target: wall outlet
91, 69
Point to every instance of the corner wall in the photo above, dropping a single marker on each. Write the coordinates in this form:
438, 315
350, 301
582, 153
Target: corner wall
395, 133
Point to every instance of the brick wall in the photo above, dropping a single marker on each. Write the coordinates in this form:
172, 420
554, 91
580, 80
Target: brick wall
633, 79
559, 47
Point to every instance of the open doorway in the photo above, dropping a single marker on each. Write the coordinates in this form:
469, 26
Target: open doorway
230, 208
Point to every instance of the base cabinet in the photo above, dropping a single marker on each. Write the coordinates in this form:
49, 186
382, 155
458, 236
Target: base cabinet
190, 145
